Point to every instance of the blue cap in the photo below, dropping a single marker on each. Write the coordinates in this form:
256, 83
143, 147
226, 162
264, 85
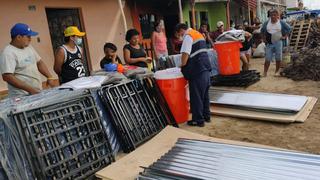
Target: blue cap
22, 29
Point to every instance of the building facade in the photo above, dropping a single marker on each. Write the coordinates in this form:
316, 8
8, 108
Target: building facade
263, 6
101, 20
206, 11
292, 3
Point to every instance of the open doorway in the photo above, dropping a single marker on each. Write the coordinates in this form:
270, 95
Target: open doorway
58, 20
170, 22
146, 13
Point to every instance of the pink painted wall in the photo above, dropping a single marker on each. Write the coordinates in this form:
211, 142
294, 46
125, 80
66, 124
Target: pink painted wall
102, 22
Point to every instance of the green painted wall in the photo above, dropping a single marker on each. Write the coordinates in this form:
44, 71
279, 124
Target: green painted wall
216, 12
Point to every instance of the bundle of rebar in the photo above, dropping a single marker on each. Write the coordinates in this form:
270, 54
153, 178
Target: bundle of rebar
305, 64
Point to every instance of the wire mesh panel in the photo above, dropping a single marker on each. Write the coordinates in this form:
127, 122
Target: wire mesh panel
64, 140
133, 113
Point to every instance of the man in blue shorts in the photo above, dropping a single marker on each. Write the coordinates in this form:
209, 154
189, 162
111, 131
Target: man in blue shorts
274, 31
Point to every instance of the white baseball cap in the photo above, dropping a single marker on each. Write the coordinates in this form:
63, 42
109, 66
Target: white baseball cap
219, 24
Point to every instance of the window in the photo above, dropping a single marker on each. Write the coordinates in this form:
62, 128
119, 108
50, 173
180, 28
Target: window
147, 24
201, 17
190, 20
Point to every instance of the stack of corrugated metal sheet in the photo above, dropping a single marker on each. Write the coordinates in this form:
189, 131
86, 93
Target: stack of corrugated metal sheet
282, 103
195, 159
274, 107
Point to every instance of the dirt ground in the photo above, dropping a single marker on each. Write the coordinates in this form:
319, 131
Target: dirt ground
295, 136
2, 96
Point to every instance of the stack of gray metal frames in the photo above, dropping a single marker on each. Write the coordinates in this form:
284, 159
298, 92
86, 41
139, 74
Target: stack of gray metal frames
151, 87
258, 101
63, 136
106, 122
13, 162
243, 79
134, 114
195, 159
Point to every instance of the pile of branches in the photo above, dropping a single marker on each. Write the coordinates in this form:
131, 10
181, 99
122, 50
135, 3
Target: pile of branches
306, 63
314, 38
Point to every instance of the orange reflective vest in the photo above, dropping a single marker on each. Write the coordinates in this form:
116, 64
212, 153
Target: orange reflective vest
198, 44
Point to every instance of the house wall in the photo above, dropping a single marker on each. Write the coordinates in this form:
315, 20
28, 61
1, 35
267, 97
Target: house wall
101, 19
292, 3
265, 7
216, 12
238, 13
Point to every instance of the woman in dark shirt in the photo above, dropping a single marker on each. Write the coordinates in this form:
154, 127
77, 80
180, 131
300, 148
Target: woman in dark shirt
134, 53
245, 51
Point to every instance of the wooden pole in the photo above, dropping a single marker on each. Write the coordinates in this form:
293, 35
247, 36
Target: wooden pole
249, 16
180, 12
123, 15
259, 9
135, 17
193, 13
228, 14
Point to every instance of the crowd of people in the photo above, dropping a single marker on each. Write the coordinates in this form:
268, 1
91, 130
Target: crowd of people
21, 65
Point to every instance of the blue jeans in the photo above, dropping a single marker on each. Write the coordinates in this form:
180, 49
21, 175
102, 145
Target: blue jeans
276, 49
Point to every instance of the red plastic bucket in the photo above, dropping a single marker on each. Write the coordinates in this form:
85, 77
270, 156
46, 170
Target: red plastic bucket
173, 87
228, 57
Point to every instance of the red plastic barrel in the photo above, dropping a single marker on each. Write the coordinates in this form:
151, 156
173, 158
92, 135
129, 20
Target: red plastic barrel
228, 57
173, 87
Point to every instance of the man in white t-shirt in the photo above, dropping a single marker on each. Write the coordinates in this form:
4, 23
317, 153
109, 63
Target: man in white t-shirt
274, 31
21, 65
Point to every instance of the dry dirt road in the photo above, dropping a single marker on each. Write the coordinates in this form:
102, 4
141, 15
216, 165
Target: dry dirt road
296, 136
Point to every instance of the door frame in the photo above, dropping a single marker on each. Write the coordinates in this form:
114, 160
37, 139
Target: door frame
83, 27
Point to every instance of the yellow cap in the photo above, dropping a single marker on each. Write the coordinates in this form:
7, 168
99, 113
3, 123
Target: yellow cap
73, 31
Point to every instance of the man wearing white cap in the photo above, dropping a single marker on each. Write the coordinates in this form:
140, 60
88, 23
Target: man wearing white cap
21, 65
218, 32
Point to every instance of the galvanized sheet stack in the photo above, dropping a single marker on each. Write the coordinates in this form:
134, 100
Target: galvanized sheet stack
195, 159
135, 113
62, 135
277, 103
